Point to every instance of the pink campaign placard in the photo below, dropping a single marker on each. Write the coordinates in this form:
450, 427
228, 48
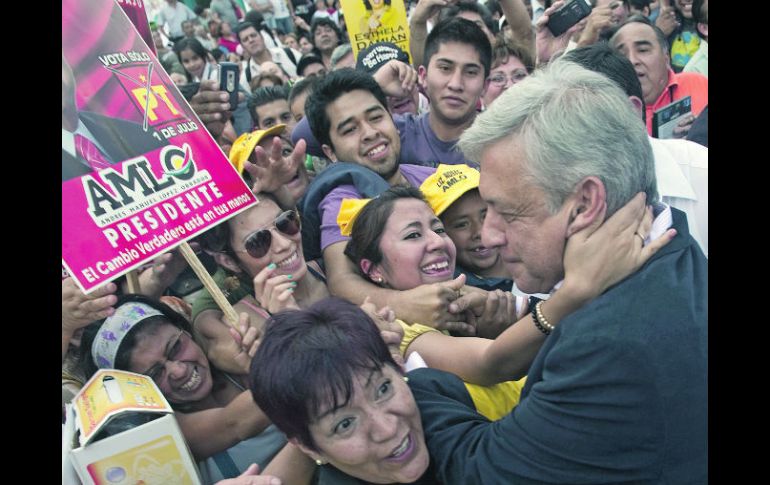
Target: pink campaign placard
140, 173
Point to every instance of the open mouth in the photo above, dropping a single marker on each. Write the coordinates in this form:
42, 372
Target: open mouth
289, 262
403, 451
378, 152
436, 268
193, 382
482, 251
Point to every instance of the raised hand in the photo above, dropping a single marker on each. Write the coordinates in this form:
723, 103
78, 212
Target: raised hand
274, 292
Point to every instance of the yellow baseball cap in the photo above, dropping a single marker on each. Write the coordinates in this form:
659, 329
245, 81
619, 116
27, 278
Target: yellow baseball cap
244, 145
447, 184
349, 210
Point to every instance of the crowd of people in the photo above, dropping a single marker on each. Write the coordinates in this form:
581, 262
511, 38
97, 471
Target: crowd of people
470, 262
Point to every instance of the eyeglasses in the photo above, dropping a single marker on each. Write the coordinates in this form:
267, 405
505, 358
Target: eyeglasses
500, 78
258, 244
158, 372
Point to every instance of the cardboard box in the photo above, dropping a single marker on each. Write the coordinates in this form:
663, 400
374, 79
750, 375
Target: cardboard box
151, 453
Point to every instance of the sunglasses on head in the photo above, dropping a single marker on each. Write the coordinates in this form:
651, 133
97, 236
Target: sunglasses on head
258, 244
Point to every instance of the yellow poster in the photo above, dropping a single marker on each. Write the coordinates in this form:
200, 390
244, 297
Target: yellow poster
155, 463
372, 21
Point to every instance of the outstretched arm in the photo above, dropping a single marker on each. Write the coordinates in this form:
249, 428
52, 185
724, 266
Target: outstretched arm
214, 430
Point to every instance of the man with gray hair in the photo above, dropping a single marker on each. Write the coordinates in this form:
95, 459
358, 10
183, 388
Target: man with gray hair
342, 56
618, 392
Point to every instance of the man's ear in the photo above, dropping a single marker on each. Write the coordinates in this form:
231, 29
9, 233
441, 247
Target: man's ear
637, 104
309, 452
226, 261
703, 29
329, 152
588, 203
422, 73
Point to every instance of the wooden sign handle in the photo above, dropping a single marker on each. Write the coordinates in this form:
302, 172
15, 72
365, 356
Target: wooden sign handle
230, 316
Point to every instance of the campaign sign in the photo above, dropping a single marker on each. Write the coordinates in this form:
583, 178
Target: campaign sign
140, 173
372, 21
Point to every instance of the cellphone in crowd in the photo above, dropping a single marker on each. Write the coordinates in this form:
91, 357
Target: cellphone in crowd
228, 81
568, 15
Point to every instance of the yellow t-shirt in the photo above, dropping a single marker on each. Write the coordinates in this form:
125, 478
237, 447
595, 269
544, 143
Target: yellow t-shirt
493, 402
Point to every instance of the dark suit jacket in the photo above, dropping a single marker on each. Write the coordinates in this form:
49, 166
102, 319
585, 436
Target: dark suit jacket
121, 139
617, 393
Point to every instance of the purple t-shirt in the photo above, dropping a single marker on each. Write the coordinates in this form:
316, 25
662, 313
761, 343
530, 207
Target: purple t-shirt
330, 205
420, 146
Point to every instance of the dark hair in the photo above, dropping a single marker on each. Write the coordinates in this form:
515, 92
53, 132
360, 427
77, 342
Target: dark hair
243, 26
641, 19
194, 45
302, 86
255, 18
699, 14
307, 60
218, 54
329, 23
148, 325
264, 95
306, 36
639, 4
602, 58
368, 5
328, 89
308, 359
463, 31
465, 6
370, 223
506, 48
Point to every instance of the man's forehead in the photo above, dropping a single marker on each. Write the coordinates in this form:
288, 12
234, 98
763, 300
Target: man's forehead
454, 51
634, 32
343, 108
248, 31
276, 104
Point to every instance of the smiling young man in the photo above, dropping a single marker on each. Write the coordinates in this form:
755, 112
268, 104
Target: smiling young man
458, 57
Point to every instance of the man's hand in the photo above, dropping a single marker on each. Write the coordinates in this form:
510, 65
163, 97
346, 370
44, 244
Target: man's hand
251, 477
390, 331
683, 127
606, 252
300, 23
666, 20
428, 8
165, 269
546, 45
396, 78
498, 313
79, 309
213, 106
599, 19
272, 170
429, 305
